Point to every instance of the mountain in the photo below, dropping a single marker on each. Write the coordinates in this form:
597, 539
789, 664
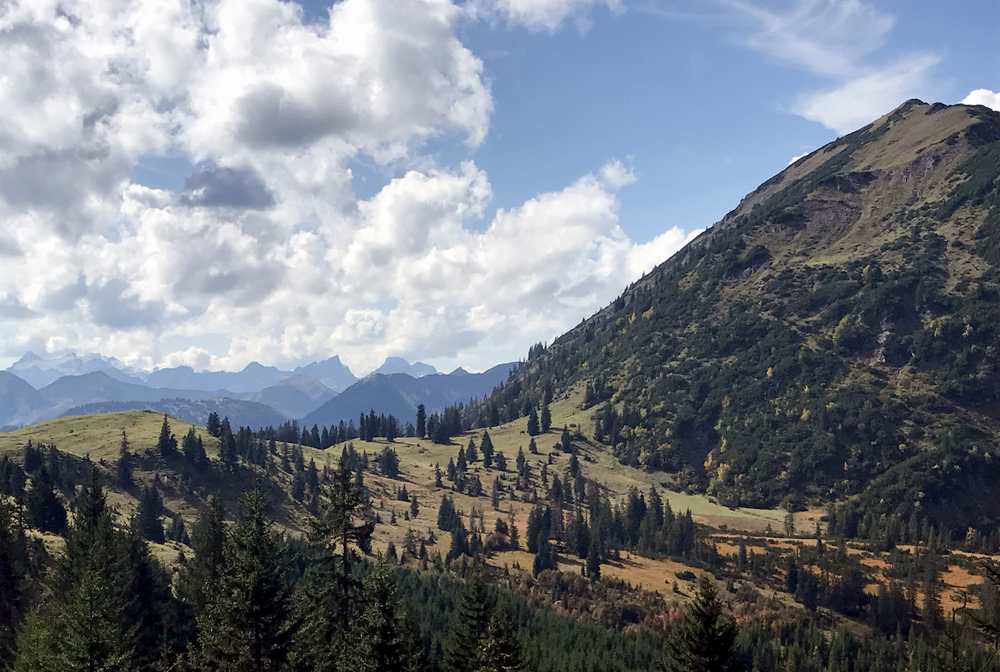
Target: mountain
19, 401
252, 378
835, 336
295, 396
393, 365
72, 391
399, 394
241, 413
331, 372
39, 371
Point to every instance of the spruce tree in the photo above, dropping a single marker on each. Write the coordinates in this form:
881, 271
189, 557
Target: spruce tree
385, 634
147, 518
167, 443
43, 509
421, 421
199, 577
532, 422
468, 629
13, 584
704, 640
123, 470
546, 418
246, 624
500, 650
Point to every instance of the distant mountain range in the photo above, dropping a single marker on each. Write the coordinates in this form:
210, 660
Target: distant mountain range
43, 387
240, 413
399, 394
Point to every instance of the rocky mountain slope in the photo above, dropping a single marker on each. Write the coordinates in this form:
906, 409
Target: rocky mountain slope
836, 335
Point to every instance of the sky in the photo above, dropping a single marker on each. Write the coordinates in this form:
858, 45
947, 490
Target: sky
214, 182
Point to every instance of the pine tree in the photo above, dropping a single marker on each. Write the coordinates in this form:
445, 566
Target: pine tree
704, 640
246, 624
468, 629
594, 556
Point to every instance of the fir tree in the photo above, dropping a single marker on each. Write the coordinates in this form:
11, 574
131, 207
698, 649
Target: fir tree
704, 640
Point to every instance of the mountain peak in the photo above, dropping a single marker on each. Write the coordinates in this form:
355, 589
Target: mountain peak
400, 365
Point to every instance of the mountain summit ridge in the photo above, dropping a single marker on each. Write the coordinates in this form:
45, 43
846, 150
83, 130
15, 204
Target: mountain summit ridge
836, 334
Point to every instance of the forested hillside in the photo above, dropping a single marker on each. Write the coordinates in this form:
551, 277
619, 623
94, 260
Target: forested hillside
835, 335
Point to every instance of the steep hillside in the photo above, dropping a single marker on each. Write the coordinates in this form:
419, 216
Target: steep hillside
837, 334
399, 394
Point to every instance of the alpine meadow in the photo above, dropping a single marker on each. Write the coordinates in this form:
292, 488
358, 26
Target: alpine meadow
453, 336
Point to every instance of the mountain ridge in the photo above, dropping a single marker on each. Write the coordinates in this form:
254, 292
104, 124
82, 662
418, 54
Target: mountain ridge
832, 336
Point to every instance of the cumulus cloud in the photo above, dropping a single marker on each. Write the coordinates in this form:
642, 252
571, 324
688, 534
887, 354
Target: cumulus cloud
990, 99
540, 15
265, 253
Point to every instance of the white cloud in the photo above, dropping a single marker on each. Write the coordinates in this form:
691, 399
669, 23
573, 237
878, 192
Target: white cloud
540, 15
838, 40
861, 99
266, 253
990, 99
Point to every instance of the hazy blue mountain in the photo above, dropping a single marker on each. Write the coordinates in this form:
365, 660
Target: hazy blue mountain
19, 401
295, 396
333, 373
393, 365
252, 378
71, 391
41, 370
241, 413
399, 394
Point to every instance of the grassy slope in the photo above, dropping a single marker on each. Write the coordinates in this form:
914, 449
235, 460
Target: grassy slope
99, 436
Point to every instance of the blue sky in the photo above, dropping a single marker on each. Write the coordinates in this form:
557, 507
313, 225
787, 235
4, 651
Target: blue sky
223, 181
701, 116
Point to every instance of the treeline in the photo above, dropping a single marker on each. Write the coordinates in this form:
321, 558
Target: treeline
370, 425
250, 598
